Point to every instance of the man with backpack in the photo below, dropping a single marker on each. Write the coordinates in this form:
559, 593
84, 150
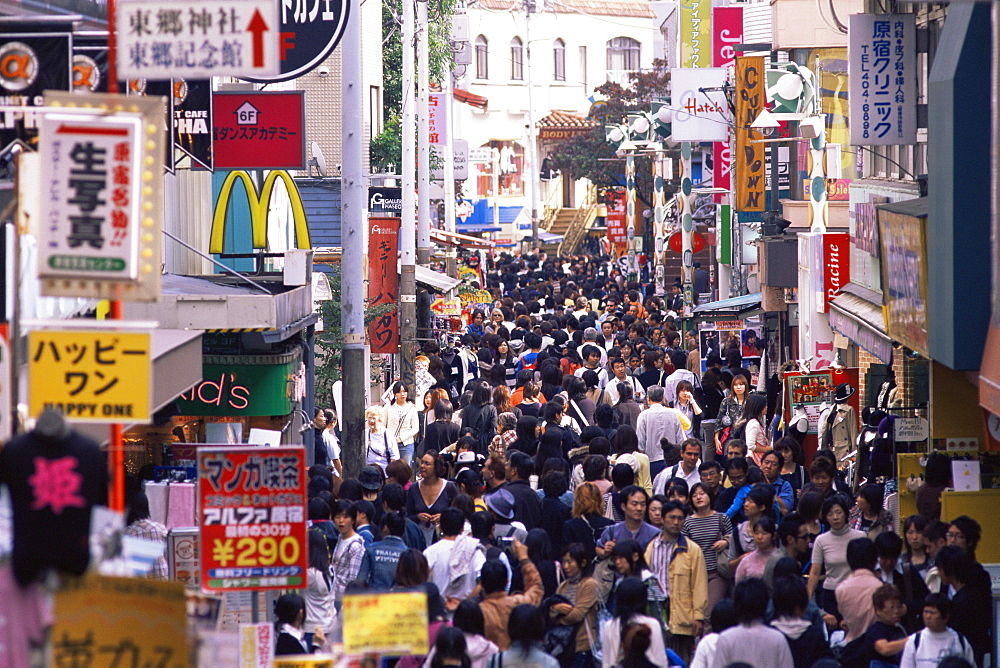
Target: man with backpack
936, 641
686, 469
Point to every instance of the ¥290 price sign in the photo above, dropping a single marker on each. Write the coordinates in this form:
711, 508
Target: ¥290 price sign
252, 517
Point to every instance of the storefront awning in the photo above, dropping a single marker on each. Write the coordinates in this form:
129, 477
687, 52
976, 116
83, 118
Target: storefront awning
471, 99
456, 239
435, 279
861, 321
734, 307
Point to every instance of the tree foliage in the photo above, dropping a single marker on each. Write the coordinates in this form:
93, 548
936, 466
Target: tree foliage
385, 151
588, 155
330, 341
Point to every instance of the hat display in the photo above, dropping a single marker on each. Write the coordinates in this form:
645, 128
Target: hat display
843, 392
370, 478
501, 504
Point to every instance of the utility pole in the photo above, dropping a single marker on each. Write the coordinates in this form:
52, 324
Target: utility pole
354, 196
408, 221
423, 139
529, 8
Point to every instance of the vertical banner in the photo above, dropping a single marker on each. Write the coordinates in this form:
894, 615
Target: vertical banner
725, 234
192, 127
696, 46
617, 227
832, 252
727, 31
383, 282
437, 119
750, 99
251, 501
882, 78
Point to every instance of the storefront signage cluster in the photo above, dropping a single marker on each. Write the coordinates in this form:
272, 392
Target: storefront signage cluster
252, 518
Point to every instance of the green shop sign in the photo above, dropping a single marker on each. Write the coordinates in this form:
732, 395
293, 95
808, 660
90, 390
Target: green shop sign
245, 386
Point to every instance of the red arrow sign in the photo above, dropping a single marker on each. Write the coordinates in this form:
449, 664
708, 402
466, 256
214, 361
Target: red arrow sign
258, 27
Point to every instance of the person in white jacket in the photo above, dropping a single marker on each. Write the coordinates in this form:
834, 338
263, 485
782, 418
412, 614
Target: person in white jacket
401, 422
630, 601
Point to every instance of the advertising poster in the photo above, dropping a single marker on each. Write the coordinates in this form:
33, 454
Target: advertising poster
251, 502
724, 335
815, 391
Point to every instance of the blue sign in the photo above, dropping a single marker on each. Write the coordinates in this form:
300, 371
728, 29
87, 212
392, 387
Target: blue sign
310, 30
882, 79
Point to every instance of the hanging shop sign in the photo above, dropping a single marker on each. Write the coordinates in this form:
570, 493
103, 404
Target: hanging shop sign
383, 200
210, 38
90, 376
750, 99
882, 79
101, 206
259, 130
259, 204
903, 244
615, 199
242, 386
727, 32
831, 253
30, 63
701, 112
110, 621
696, 36
192, 119
251, 502
383, 282
308, 34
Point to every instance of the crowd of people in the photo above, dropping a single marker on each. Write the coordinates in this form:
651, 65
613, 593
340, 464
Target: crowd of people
586, 494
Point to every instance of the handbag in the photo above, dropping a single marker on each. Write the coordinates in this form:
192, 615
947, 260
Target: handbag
732, 550
596, 648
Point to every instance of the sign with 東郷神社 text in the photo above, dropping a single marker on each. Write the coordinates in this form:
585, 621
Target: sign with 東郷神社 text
168, 39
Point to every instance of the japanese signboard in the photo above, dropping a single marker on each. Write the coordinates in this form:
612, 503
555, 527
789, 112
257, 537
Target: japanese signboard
171, 39
617, 225
101, 204
460, 160
750, 99
257, 645
882, 77
90, 376
91, 196
437, 119
309, 31
383, 282
30, 63
259, 130
696, 36
252, 505
700, 114
106, 622
390, 623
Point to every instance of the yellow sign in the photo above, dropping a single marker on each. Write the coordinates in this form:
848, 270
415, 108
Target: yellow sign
91, 376
696, 33
103, 622
258, 209
305, 661
394, 624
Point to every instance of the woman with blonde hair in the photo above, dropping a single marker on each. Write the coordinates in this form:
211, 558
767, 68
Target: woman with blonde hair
380, 447
588, 517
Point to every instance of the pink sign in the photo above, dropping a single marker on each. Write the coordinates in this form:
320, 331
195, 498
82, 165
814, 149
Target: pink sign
727, 32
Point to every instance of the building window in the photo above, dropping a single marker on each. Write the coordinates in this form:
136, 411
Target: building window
559, 60
623, 54
516, 59
482, 52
